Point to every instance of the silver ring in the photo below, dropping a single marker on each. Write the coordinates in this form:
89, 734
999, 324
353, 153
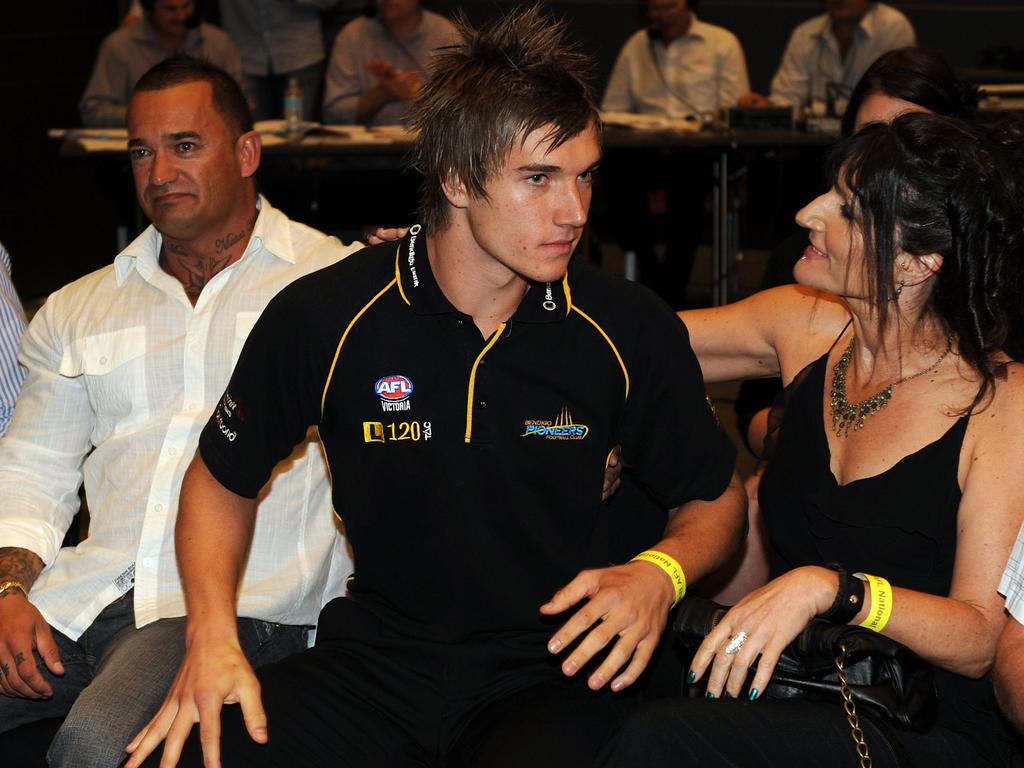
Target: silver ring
736, 642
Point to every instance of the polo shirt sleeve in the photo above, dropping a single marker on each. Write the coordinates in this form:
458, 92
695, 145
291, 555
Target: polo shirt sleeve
670, 434
273, 396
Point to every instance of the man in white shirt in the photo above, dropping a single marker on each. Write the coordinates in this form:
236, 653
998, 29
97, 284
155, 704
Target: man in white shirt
1008, 673
682, 68
124, 368
828, 54
679, 66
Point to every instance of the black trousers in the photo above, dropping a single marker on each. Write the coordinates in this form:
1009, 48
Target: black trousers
796, 733
369, 697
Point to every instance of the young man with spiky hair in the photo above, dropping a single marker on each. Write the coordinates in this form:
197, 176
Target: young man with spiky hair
468, 384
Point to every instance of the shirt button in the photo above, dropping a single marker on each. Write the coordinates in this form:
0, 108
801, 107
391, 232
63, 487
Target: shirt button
158, 508
460, 321
147, 562
483, 403
172, 451
103, 360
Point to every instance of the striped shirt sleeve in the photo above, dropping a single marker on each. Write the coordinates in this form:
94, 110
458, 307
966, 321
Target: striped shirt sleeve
12, 326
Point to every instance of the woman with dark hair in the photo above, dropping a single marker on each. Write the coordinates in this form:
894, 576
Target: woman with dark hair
898, 455
919, 78
905, 80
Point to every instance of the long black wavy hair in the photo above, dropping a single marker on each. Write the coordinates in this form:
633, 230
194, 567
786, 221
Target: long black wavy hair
931, 184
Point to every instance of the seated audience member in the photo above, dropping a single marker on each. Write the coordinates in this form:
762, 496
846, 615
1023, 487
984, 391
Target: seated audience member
278, 40
899, 454
12, 326
678, 67
124, 367
494, 491
904, 80
165, 28
828, 54
1009, 668
377, 64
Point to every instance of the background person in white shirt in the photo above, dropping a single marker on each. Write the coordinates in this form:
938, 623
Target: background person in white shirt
678, 67
682, 68
828, 54
124, 368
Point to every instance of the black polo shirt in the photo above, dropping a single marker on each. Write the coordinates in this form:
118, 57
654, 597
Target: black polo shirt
468, 471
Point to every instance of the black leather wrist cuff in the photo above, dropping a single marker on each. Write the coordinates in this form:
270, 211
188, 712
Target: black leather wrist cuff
849, 597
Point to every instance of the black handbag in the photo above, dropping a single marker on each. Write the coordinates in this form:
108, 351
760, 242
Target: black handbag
837, 662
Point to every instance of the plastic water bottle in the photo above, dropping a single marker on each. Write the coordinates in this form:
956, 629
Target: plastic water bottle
293, 107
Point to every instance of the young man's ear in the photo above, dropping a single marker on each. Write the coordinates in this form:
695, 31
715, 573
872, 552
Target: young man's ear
455, 190
249, 148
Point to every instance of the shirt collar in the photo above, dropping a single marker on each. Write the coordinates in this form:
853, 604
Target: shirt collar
542, 303
865, 28
270, 233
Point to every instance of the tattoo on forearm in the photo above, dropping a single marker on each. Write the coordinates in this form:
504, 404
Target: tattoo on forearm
19, 659
17, 564
223, 243
6, 669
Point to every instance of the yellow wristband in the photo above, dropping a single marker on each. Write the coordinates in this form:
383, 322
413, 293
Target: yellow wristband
4, 586
881, 602
669, 565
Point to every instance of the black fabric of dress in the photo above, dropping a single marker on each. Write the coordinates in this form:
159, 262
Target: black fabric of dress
900, 524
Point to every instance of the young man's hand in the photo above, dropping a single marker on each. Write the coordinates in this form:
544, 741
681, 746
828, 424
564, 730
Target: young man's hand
211, 675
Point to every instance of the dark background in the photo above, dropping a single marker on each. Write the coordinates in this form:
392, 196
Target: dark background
58, 215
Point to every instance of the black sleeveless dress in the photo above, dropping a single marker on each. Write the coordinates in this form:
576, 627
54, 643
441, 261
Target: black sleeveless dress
901, 524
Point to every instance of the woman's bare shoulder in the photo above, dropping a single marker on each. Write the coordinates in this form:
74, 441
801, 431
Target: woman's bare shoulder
804, 324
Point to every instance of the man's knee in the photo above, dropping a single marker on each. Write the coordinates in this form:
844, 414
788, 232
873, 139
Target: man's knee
81, 744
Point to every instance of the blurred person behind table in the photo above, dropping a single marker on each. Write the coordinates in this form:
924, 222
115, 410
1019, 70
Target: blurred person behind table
378, 62
682, 68
826, 55
166, 27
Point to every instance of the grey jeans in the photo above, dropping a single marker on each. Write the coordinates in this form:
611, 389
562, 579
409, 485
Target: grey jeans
116, 677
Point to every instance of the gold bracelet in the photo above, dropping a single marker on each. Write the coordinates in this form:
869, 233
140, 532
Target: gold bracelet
670, 566
881, 602
11, 584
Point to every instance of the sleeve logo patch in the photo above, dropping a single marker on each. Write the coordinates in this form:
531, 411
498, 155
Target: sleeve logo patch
394, 392
562, 428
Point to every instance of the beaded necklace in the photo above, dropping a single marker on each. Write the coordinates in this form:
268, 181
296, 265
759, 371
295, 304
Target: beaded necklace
846, 414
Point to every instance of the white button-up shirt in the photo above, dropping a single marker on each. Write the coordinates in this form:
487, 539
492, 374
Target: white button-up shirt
812, 58
696, 74
1012, 584
123, 373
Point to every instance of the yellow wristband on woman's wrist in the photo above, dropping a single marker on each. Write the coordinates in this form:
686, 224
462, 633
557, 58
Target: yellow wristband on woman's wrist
881, 602
670, 566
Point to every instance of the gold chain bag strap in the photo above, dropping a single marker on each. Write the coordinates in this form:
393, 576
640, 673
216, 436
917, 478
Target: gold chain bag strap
850, 708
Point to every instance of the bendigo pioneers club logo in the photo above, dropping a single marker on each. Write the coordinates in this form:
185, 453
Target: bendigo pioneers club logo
561, 428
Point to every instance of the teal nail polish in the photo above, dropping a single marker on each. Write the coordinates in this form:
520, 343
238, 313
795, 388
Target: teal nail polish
710, 695
691, 677
753, 693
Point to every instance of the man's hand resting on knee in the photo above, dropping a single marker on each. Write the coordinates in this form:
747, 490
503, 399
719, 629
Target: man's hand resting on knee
214, 672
